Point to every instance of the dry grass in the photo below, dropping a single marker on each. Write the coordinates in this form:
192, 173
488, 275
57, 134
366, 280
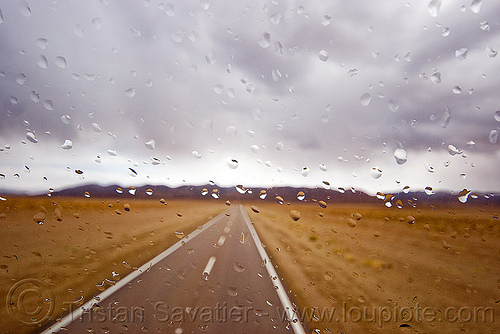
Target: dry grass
366, 256
77, 254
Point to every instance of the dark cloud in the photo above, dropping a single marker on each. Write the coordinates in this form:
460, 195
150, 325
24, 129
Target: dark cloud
198, 77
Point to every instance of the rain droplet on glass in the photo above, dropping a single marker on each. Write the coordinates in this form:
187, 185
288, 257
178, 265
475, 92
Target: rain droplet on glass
67, 145
365, 99
275, 18
401, 156
475, 6
42, 62
433, 7
323, 55
265, 40
493, 136
150, 144
461, 53
436, 77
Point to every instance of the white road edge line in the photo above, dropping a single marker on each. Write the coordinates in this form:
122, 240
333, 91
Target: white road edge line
127, 279
209, 266
285, 301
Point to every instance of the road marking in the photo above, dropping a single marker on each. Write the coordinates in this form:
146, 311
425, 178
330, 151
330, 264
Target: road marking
221, 241
285, 301
208, 267
130, 277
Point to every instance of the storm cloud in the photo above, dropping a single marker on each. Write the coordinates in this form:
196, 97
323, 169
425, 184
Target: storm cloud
178, 90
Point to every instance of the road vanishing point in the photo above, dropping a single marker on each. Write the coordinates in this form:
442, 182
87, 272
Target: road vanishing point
218, 279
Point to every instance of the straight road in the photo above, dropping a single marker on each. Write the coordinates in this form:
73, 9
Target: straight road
219, 279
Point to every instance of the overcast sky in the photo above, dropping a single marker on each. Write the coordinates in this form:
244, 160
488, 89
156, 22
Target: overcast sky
259, 93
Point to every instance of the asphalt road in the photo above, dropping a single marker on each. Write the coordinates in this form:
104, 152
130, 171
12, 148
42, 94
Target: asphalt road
217, 280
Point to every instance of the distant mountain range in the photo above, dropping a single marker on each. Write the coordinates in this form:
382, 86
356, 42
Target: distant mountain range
284, 194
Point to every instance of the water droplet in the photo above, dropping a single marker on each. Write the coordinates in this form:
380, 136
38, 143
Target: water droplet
87, 194
326, 20
132, 172
232, 291
406, 189
150, 144
351, 222
130, 92
215, 193
410, 220
279, 200
496, 116
31, 137
42, 62
493, 136
177, 35
39, 218
210, 58
78, 30
218, 89
42, 43
25, 9
445, 32
365, 99
323, 167
453, 150
322, 204
196, 154
238, 267
436, 77
434, 7
461, 53
60, 62
295, 215
263, 194
401, 156
232, 163
305, 171
1, 16
475, 6
67, 145
119, 190
275, 18
323, 55
132, 190
255, 209
48, 104
352, 72
135, 32
276, 74
491, 52
204, 192
445, 119
179, 234
393, 105
20, 79
96, 127
463, 196
301, 195
97, 23
376, 172
456, 90
429, 191
265, 40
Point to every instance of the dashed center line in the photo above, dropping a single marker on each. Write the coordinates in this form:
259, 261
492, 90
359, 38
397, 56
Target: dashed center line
208, 267
221, 241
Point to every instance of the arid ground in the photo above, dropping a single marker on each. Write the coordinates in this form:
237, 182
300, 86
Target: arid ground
86, 244
426, 270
